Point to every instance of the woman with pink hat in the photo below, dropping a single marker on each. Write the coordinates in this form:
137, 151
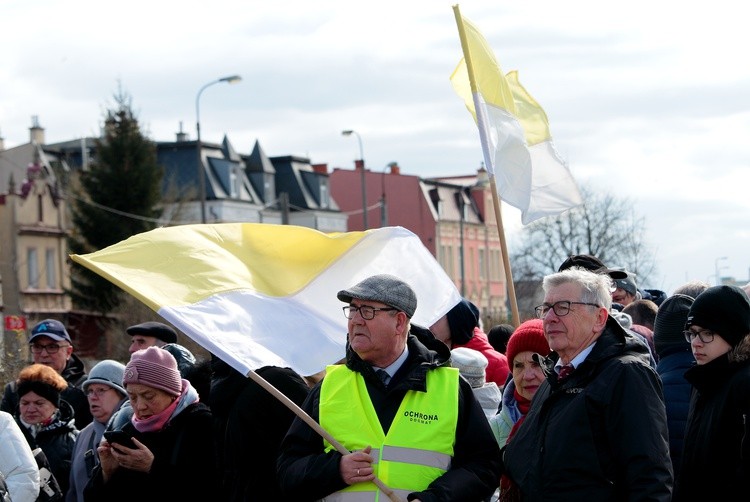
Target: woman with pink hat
170, 455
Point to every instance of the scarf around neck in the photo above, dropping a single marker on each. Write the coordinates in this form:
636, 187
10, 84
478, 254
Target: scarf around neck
157, 422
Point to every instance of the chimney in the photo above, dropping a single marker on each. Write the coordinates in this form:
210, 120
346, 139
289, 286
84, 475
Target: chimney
359, 164
483, 177
394, 169
181, 135
36, 132
320, 168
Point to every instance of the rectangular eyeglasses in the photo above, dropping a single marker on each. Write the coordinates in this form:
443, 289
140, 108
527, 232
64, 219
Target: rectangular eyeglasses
367, 312
561, 308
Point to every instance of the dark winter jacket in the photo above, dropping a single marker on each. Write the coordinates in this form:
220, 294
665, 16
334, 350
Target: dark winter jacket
716, 455
56, 440
306, 473
673, 363
601, 434
75, 375
249, 425
183, 467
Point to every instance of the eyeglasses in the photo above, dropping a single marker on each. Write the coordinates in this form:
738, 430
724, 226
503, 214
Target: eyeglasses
367, 312
705, 335
97, 392
560, 308
52, 348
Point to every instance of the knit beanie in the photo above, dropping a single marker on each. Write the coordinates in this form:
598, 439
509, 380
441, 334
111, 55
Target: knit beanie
154, 367
670, 323
471, 363
107, 372
724, 310
627, 283
528, 336
43, 381
462, 320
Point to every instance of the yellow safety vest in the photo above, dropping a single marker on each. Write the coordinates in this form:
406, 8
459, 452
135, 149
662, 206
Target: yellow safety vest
419, 445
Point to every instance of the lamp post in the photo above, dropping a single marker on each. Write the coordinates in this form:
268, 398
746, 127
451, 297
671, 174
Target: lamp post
349, 132
718, 269
232, 79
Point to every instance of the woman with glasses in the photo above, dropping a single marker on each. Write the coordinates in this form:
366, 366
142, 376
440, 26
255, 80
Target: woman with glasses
716, 454
45, 419
105, 393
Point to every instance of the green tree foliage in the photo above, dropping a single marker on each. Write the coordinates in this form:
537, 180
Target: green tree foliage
115, 198
605, 226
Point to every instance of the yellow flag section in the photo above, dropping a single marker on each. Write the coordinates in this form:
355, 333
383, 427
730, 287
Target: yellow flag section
513, 131
258, 294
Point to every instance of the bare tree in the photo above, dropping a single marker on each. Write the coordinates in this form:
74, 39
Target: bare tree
605, 226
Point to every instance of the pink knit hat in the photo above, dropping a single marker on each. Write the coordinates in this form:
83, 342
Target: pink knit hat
154, 367
528, 336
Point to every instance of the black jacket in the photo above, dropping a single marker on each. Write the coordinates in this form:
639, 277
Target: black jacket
75, 375
249, 425
56, 440
601, 434
716, 455
183, 467
306, 473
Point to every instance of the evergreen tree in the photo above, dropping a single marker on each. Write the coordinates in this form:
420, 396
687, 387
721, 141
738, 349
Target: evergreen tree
115, 198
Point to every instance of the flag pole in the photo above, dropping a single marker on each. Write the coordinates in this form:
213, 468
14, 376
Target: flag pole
315, 426
491, 173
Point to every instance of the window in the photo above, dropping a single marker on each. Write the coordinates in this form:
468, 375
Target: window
325, 200
32, 268
482, 264
50, 270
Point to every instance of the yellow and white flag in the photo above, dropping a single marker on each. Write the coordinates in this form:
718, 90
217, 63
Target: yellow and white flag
258, 294
514, 132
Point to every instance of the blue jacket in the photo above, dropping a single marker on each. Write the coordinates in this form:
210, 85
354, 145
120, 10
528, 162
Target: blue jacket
671, 368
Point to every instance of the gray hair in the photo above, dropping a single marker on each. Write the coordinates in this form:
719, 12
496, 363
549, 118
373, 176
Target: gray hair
595, 288
691, 288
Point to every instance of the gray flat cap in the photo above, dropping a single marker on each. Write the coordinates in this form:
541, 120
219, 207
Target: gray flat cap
383, 288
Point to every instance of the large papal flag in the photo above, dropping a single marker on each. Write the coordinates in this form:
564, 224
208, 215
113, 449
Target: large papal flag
259, 294
513, 130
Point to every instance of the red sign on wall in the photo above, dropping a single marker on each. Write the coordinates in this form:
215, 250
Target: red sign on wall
15, 322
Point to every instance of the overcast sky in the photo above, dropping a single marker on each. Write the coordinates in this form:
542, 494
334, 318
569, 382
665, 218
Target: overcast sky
648, 100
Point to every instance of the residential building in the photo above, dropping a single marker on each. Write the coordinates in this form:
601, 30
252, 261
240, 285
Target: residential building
33, 227
453, 217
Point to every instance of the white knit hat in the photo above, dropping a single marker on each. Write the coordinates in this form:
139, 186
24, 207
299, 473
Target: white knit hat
471, 364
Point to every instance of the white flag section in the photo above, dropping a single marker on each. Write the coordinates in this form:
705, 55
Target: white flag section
514, 134
258, 294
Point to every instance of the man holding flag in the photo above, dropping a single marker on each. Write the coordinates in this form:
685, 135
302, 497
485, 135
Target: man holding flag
397, 406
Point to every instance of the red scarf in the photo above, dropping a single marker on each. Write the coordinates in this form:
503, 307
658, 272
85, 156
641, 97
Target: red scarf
508, 489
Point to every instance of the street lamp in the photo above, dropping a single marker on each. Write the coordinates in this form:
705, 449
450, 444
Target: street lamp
718, 269
232, 79
349, 132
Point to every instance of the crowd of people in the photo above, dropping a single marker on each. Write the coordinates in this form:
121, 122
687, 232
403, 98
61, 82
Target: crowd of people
610, 393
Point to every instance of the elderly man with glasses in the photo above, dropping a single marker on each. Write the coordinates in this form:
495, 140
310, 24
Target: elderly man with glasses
50, 344
597, 427
406, 417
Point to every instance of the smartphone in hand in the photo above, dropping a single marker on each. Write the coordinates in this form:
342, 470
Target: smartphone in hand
119, 437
